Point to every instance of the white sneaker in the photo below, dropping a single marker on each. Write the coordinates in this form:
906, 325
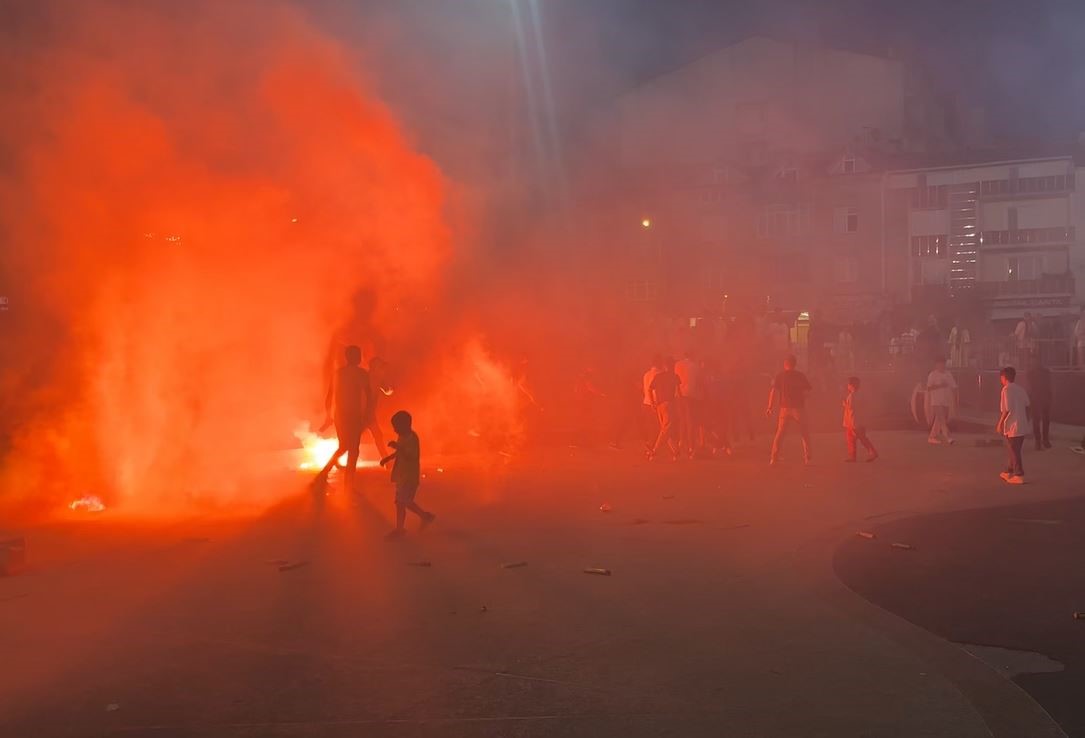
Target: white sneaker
950, 441
934, 442
1016, 480
1005, 476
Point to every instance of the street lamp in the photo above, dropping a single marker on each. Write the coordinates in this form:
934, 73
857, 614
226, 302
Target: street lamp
646, 223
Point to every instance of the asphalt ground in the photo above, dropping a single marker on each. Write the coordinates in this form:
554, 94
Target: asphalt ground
722, 614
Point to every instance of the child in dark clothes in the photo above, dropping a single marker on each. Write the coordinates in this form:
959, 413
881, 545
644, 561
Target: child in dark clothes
406, 472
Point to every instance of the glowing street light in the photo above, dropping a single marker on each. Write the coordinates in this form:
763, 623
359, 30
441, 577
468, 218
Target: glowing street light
646, 223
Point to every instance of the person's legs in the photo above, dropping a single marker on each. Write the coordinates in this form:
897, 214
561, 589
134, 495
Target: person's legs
666, 424
1036, 429
378, 437
850, 437
401, 515
804, 432
1045, 426
777, 440
940, 426
1017, 444
865, 440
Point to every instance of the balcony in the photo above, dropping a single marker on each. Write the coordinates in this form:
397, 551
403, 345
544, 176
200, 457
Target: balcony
1049, 284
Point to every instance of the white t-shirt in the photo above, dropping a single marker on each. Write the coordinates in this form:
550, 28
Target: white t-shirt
943, 396
1021, 333
648, 377
1015, 402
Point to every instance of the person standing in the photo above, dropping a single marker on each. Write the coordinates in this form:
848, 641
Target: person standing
690, 398
928, 342
790, 388
941, 396
1023, 337
960, 341
664, 389
1013, 424
1077, 340
1038, 379
855, 423
651, 418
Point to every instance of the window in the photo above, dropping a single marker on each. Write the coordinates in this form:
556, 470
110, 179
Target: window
781, 220
1011, 219
788, 175
1024, 267
847, 165
846, 220
847, 270
924, 246
995, 187
929, 196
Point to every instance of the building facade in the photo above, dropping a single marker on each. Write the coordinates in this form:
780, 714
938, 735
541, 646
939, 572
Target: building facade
1004, 234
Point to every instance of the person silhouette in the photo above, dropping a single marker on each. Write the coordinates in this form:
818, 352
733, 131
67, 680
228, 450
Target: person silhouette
347, 405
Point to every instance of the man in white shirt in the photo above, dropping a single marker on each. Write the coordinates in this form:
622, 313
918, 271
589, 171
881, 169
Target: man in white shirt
941, 396
650, 422
1013, 423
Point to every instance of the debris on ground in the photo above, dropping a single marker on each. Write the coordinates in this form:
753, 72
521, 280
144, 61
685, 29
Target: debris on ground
600, 572
867, 535
112, 707
903, 546
605, 507
514, 565
639, 521
295, 565
12, 556
423, 564
668, 497
483, 609
278, 562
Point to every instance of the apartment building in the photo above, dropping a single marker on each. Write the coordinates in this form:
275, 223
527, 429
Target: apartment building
1004, 233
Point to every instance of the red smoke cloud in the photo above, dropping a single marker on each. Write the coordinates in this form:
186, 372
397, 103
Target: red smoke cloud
203, 196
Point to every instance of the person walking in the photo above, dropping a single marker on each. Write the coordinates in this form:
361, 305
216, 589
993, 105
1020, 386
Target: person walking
664, 389
1013, 424
790, 388
348, 405
941, 396
855, 423
1038, 379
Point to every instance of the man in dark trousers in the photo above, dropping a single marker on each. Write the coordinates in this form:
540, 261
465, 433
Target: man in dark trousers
1038, 379
790, 388
348, 403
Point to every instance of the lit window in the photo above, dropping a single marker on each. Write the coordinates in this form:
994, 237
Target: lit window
847, 165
